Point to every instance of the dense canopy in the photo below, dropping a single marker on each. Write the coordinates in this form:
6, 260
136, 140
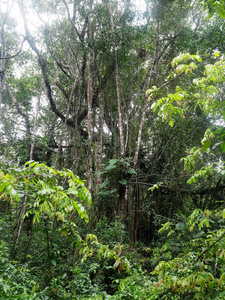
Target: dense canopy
112, 149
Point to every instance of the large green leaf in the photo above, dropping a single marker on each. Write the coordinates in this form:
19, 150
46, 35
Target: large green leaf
130, 171
221, 11
223, 146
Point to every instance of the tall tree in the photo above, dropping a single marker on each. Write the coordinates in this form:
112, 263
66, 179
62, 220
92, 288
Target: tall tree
86, 69
90, 100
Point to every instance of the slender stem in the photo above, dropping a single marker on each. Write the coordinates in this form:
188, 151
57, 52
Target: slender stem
35, 123
89, 103
146, 98
122, 148
48, 251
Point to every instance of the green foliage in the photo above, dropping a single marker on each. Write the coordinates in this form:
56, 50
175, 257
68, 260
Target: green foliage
214, 6
6, 186
193, 270
59, 256
175, 103
17, 280
116, 172
188, 273
52, 196
203, 90
110, 232
50, 192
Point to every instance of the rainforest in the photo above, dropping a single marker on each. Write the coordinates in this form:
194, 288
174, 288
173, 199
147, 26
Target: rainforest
112, 149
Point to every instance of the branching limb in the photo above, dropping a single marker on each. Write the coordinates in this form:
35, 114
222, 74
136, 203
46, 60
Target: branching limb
13, 56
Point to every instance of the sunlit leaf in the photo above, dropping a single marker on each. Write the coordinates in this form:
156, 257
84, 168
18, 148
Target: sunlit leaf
223, 146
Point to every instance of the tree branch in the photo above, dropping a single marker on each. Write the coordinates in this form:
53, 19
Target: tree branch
12, 56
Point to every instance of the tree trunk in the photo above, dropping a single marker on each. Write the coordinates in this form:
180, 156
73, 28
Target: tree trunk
122, 148
89, 104
122, 198
35, 123
2, 61
146, 98
99, 145
65, 121
122, 187
136, 214
22, 112
21, 219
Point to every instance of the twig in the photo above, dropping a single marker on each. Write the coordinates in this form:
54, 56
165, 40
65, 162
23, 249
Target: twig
12, 56
208, 248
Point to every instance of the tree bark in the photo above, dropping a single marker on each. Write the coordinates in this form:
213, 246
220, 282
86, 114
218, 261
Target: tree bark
122, 148
146, 98
22, 112
35, 123
65, 122
99, 146
122, 187
2, 61
136, 213
89, 103
43, 63
21, 219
